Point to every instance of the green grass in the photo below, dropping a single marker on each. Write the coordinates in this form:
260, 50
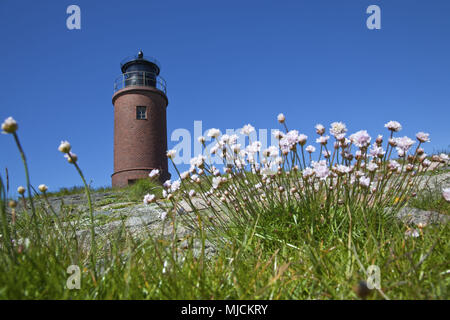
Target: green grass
276, 257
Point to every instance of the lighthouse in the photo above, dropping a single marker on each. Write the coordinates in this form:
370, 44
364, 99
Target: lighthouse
140, 127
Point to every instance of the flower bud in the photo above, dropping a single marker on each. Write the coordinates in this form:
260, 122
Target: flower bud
9, 125
64, 147
21, 190
43, 188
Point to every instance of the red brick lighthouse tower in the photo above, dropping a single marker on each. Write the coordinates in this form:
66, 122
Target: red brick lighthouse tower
140, 129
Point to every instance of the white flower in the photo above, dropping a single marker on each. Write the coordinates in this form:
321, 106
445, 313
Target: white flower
426, 163
154, 173
403, 144
278, 134
326, 153
393, 165
310, 149
175, 185
43, 188
247, 129
446, 194
214, 133
149, 198
394, 126
9, 125
272, 151
216, 181
338, 128
281, 118
321, 169
320, 129
198, 161
308, 172
171, 153
64, 147
192, 193
360, 139
342, 169
376, 151
423, 137
444, 157
372, 166
412, 233
167, 184
323, 139
163, 216
236, 148
302, 139
184, 175
365, 182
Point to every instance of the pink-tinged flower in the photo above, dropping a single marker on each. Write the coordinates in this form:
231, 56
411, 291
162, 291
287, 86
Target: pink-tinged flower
404, 143
423, 137
414, 233
320, 129
167, 184
361, 139
393, 165
393, 126
365, 182
9, 125
376, 151
338, 128
171, 153
372, 166
281, 118
216, 182
192, 193
341, 169
149, 198
446, 194
175, 186
64, 147
321, 169
326, 153
426, 163
322, 140
247, 129
154, 173
310, 149
308, 172
213, 133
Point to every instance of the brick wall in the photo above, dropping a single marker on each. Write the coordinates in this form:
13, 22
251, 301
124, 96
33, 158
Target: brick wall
139, 145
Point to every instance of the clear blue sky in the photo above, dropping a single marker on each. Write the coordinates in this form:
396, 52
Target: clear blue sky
226, 63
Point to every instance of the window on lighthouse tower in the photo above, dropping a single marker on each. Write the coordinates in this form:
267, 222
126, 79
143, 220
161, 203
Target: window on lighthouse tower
141, 113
